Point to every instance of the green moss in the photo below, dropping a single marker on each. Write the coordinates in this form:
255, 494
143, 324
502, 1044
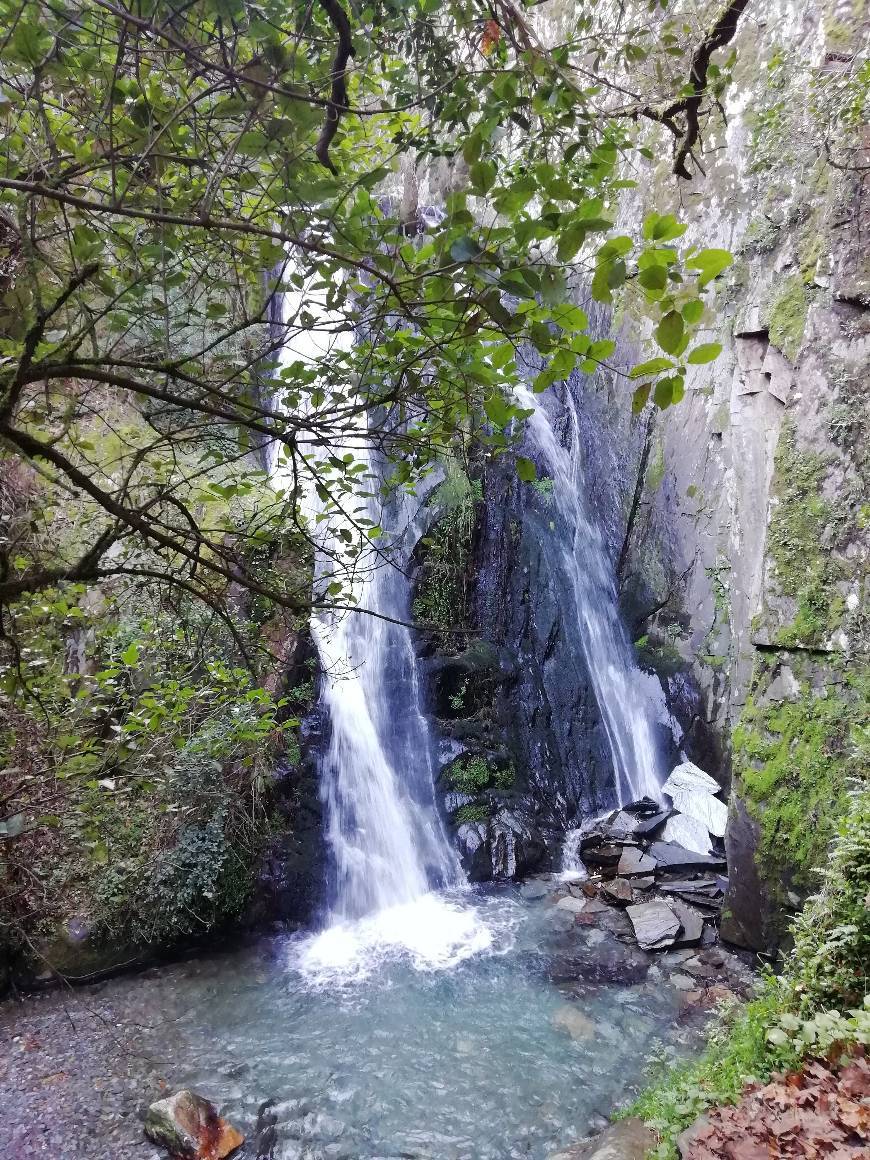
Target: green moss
794, 760
474, 812
787, 316
802, 527
656, 469
472, 775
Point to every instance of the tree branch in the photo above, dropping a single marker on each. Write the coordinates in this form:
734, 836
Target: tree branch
338, 95
686, 138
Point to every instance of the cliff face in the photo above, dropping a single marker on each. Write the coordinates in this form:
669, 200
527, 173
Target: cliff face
750, 530
736, 520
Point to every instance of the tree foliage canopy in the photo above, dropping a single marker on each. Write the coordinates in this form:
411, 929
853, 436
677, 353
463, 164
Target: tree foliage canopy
419, 184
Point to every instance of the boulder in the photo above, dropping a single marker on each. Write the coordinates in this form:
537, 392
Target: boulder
627, 1140
516, 843
536, 888
693, 793
189, 1128
702, 807
655, 925
688, 776
475, 851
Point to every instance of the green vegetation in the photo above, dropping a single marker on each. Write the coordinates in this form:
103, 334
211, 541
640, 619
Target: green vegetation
794, 760
472, 775
473, 812
441, 601
787, 315
140, 742
820, 1001
803, 528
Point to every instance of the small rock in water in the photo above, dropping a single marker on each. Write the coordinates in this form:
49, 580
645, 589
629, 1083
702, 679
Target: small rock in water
682, 982
617, 892
655, 925
190, 1128
578, 1025
536, 888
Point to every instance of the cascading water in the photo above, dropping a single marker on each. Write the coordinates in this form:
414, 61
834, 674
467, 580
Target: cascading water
581, 556
389, 850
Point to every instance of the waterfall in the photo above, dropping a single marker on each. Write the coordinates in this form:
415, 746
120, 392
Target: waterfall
387, 842
580, 553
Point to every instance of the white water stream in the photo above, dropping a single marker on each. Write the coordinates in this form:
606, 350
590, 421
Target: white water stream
621, 690
390, 854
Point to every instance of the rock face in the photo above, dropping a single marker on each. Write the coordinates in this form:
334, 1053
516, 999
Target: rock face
508, 845
747, 540
190, 1128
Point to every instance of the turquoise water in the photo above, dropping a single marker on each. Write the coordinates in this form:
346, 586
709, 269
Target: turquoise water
484, 1059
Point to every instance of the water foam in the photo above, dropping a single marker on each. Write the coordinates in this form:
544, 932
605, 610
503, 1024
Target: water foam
434, 932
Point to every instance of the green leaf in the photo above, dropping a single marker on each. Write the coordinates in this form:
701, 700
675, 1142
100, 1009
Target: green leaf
497, 410
465, 250
705, 353
653, 278
710, 263
653, 366
693, 311
526, 469
482, 175
130, 655
669, 332
553, 286
639, 398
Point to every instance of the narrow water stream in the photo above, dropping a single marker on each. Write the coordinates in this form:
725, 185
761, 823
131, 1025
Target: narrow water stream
622, 693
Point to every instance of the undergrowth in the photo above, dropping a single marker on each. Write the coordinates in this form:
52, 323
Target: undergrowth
818, 1004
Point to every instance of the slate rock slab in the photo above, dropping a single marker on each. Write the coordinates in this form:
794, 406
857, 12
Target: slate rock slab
634, 861
655, 925
617, 892
687, 832
627, 1140
651, 824
691, 920
671, 856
